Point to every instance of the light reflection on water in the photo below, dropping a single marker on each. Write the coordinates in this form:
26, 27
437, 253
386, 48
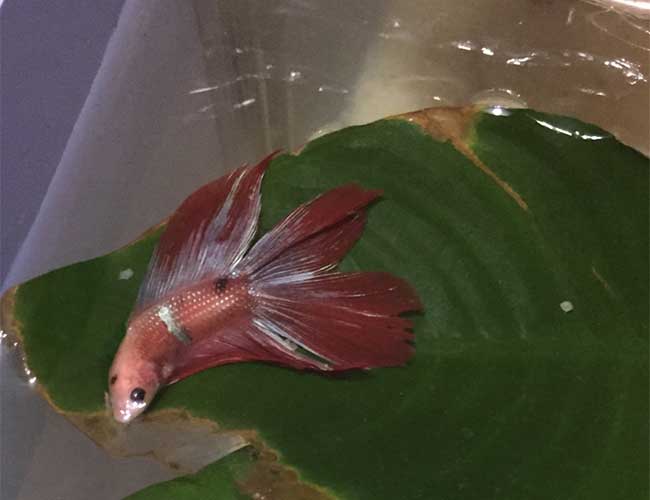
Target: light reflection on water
408, 55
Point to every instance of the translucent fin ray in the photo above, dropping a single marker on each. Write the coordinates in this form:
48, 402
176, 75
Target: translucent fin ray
207, 235
351, 320
307, 220
244, 340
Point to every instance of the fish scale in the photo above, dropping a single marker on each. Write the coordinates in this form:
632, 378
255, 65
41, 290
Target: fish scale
202, 309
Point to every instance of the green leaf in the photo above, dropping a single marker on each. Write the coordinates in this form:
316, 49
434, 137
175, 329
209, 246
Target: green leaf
221, 483
499, 222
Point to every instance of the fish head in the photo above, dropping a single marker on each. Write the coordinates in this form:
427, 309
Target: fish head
132, 385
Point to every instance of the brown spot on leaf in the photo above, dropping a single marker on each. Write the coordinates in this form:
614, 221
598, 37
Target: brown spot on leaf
173, 437
455, 125
443, 124
602, 280
268, 478
8, 323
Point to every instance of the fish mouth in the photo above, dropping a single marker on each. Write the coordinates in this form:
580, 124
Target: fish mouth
127, 413
124, 415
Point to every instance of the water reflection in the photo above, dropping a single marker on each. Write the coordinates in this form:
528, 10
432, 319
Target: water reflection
409, 55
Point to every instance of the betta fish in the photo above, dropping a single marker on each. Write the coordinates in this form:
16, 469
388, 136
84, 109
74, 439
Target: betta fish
208, 300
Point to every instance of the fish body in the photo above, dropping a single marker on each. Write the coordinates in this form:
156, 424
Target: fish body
208, 299
192, 314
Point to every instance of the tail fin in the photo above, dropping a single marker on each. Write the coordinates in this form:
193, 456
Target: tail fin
345, 320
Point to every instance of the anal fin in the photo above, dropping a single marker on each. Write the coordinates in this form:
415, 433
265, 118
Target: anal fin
245, 340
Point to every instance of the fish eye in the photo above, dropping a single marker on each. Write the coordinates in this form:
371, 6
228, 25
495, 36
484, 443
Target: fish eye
137, 394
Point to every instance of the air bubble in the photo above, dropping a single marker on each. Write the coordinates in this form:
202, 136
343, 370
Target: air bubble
294, 76
497, 100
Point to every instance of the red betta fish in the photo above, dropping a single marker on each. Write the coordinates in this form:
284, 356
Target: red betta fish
207, 301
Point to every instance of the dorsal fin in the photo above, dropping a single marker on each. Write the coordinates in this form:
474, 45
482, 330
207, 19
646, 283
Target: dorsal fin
309, 219
207, 235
